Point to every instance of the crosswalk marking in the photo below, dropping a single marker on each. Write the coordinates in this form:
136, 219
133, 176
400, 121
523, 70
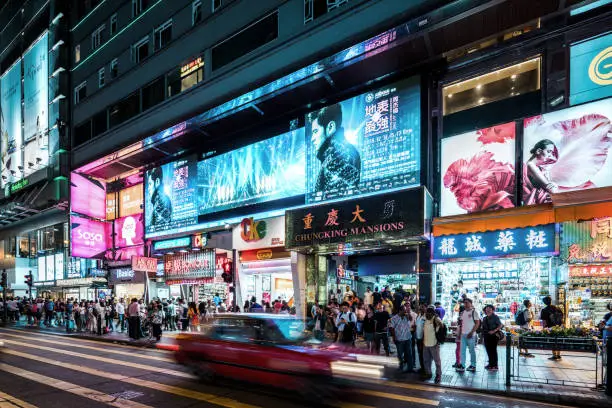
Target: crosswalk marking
10, 401
104, 359
72, 388
140, 382
98, 348
397, 397
79, 340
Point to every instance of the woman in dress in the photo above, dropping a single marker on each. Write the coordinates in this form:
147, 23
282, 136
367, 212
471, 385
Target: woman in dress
543, 154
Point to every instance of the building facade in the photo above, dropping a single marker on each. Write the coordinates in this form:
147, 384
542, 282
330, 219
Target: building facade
287, 149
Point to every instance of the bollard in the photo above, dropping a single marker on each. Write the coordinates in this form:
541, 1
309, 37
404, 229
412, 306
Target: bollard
508, 357
608, 368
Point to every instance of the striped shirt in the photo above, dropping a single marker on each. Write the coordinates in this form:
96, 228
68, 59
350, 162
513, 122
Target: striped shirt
401, 326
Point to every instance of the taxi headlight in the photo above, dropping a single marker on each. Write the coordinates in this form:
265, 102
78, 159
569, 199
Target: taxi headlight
353, 369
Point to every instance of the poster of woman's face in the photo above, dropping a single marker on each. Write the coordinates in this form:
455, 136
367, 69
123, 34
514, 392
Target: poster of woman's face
477, 170
567, 150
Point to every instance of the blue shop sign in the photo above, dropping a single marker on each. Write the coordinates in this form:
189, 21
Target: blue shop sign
591, 70
537, 240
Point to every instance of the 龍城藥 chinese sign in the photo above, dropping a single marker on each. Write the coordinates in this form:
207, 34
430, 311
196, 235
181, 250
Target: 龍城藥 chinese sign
516, 241
393, 216
588, 241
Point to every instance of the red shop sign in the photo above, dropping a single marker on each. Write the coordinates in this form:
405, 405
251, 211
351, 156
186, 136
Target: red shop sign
144, 264
590, 270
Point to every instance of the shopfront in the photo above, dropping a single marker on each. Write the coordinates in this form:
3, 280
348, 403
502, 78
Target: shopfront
586, 247
264, 271
190, 269
127, 283
500, 268
374, 241
90, 288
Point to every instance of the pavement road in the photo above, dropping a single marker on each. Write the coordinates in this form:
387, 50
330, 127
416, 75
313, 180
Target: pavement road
43, 370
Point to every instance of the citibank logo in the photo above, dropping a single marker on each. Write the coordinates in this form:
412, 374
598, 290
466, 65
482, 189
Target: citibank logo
600, 70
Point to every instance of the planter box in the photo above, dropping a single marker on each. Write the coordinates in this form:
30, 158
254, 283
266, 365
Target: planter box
558, 343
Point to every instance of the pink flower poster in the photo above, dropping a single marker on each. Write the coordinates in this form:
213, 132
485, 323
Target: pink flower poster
567, 150
477, 170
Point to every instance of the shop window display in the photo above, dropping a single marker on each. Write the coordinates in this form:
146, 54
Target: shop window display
503, 283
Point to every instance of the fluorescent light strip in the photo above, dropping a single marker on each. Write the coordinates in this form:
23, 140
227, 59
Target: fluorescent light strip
141, 15
87, 16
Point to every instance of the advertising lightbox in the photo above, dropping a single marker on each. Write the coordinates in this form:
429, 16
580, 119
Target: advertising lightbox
124, 254
567, 150
268, 170
477, 171
87, 196
370, 143
170, 193
130, 200
36, 105
90, 239
11, 137
590, 70
129, 231
111, 206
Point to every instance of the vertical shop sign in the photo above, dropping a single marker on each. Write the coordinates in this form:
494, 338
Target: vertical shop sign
588, 241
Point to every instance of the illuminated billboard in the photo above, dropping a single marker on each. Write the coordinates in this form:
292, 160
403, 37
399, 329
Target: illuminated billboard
11, 137
366, 144
590, 75
170, 196
130, 200
36, 105
90, 239
129, 231
567, 150
265, 171
477, 171
87, 196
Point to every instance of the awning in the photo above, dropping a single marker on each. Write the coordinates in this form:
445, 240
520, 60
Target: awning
583, 205
519, 217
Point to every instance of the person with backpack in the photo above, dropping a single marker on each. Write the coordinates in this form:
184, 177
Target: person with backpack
470, 323
551, 316
434, 333
492, 334
524, 319
347, 325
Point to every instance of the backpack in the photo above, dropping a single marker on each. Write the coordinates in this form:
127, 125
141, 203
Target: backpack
519, 319
441, 333
556, 316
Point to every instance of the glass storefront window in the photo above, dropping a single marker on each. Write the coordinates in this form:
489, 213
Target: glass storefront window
494, 86
185, 76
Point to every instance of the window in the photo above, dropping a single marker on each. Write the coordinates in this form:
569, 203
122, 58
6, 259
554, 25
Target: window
77, 53
216, 4
186, 76
113, 25
494, 86
101, 77
196, 12
153, 93
114, 68
245, 41
96, 37
163, 35
140, 50
80, 92
124, 110
99, 123
82, 133
314, 9
136, 7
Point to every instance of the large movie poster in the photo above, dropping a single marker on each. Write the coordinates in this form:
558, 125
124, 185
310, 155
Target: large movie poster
11, 137
170, 197
268, 170
369, 143
36, 105
567, 150
477, 170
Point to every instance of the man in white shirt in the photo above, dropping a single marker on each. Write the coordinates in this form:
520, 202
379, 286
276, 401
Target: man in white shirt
368, 297
431, 347
348, 294
121, 312
470, 322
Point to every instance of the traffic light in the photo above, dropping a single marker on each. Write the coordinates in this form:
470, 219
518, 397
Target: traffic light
3, 283
28, 279
227, 272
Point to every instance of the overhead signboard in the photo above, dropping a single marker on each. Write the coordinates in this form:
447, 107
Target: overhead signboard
591, 69
130, 200
268, 170
129, 231
587, 241
87, 196
366, 144
90, 239
192, 267
11, 136
144, 264
181, 242
538, 240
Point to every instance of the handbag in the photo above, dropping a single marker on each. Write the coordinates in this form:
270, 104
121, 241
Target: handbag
499, 335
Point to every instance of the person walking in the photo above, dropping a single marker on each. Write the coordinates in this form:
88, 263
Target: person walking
524, 318
401, 326
121, 314
320, 319
552, 316
420, 323
470, 323
346, 323
491, 330
156, 321
381, 324
369, 328
431, 346
133, 314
